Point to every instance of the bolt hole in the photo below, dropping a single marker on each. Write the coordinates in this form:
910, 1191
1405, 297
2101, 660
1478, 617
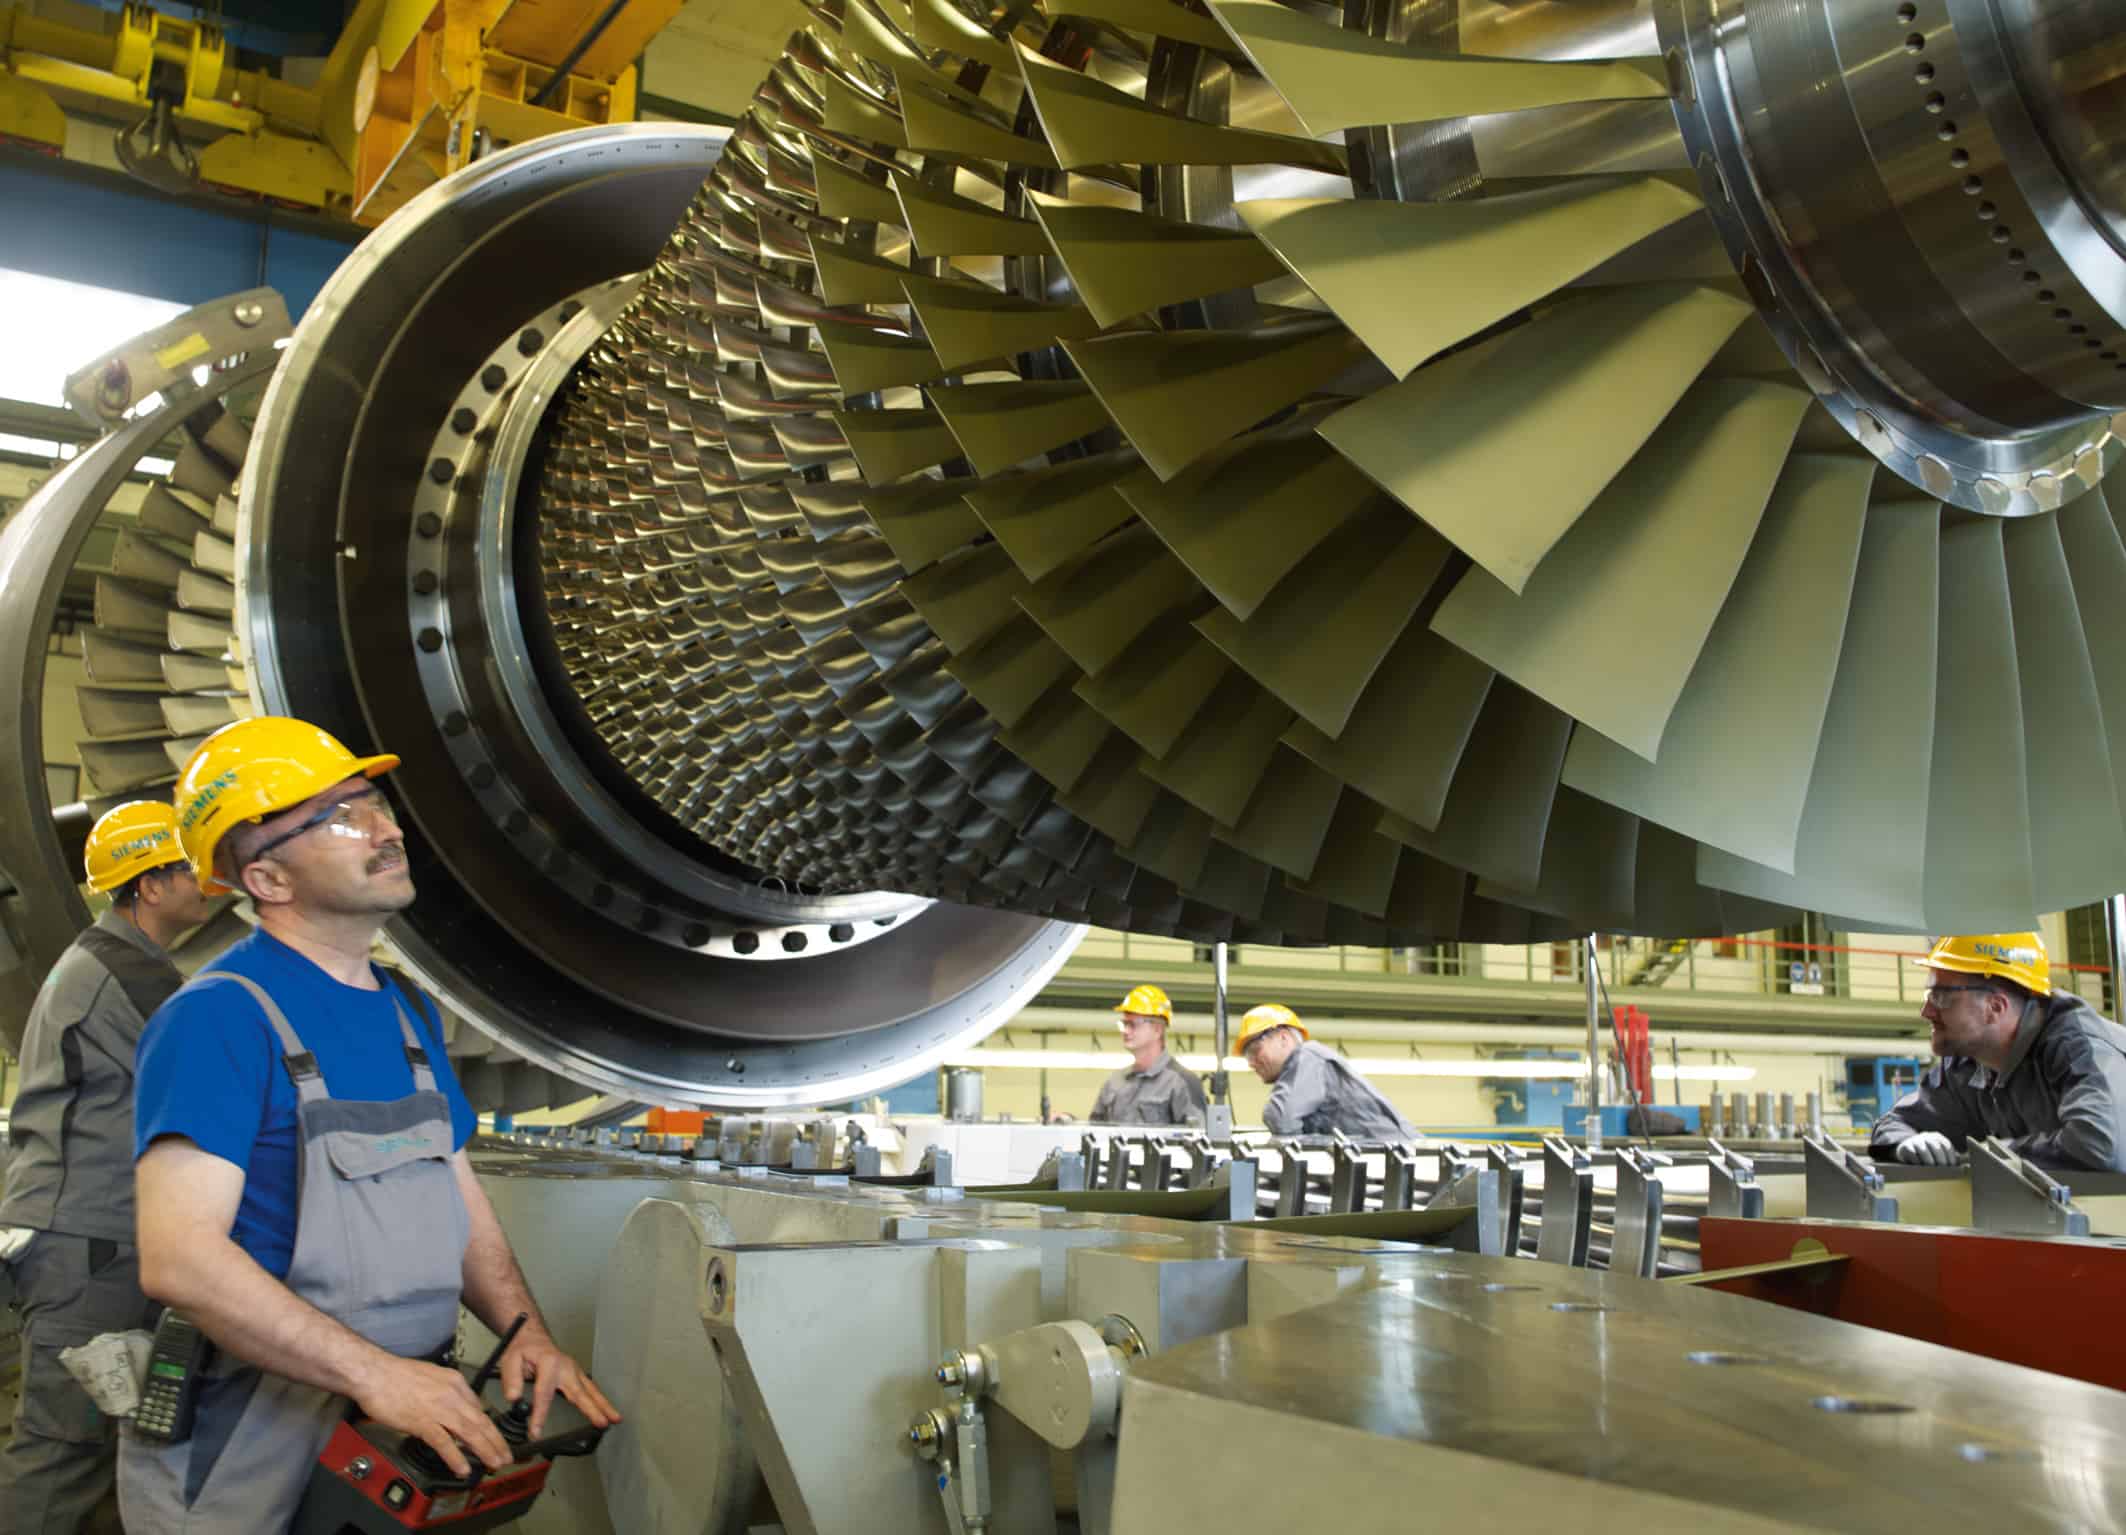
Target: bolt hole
1916, 43
2046, 295
2001, 232
2029, 276
1986, 211
2015, 255
1961, 158
1972, 185
482, 775
2063, 313
1908, 14
1937, 103
1946, 131
1859, 1404
2077, 330
1979, 1454
1924, 74
454, 723
719, 1288
430, 640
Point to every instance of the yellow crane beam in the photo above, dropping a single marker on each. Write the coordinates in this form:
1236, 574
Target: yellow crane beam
412, 90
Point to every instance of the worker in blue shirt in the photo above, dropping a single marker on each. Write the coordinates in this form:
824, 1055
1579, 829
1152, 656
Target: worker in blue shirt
302, 1189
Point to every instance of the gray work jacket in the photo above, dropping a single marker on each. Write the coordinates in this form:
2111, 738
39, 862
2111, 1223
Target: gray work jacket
1168, 1094
2060, 1100
72, 1122
1317, 1092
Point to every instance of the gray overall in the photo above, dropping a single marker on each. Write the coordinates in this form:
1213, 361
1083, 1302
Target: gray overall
380, 1242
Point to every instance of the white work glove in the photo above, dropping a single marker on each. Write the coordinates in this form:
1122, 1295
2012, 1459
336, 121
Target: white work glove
1929, 1148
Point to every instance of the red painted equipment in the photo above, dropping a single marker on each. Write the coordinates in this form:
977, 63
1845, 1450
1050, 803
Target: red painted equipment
1635, 1051
2047, 1302
373, 1480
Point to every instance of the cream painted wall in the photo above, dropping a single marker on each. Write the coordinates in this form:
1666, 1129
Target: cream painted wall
1425, 1101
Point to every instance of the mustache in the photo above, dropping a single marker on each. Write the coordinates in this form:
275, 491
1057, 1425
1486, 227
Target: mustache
390, 857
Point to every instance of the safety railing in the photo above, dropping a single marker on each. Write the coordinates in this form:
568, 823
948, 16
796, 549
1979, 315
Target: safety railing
1733, 965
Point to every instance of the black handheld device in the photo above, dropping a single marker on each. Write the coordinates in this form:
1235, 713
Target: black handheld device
175, 1365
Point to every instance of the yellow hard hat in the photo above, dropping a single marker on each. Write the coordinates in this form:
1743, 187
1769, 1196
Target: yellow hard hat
248, 771
1260, 1020
1147, 1000
2017, 957
128, 841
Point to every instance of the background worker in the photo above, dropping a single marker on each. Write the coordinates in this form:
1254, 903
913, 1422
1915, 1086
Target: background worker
1154, 1089
2039, 1068
1313, 1090
303, 1192
71, 1183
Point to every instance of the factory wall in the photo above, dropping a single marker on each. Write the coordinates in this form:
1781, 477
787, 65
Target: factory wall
88, 227
1428, 1102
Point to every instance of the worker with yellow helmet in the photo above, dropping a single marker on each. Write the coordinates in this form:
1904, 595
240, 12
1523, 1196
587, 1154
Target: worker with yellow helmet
68, 1211
2019, 1059
304, 1195
1154, 1089
1313, 1090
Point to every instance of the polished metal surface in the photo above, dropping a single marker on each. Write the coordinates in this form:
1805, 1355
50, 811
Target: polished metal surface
1511, 1392
1389, 1385
411, 324
1947, 296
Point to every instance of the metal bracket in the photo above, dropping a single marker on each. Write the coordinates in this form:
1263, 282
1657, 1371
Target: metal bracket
1349, 1181
1513, 1193
2011, 1194
1843, 1187
1237, 1176
1635, 1248
102, 391
1398, 1183
1291, 1181
1568, 1204
1472, 1184
1731, 1187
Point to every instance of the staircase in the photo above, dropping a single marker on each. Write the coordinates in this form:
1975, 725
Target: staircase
1661, 963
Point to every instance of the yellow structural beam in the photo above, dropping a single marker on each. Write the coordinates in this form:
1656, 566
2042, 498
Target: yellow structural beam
413, 90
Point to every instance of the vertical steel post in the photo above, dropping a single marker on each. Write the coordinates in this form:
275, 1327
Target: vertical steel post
1594, 1051
1218, 1119
2115, 912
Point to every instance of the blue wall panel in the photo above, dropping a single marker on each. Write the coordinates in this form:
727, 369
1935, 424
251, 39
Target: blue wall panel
110, 236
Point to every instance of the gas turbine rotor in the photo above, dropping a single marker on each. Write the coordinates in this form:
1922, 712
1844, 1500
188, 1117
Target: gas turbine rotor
1476, 472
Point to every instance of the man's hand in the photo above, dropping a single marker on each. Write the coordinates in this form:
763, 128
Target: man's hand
435, 1404
1929, 1148
536, 1358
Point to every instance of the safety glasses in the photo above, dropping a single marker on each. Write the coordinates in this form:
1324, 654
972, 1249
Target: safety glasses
357, 817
